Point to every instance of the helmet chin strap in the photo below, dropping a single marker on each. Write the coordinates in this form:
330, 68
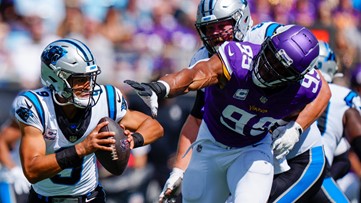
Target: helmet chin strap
58, 102
77, 102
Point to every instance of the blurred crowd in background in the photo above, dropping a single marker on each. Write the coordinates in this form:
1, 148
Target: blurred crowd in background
141, 40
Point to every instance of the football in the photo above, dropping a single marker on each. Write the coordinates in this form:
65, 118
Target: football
115, 161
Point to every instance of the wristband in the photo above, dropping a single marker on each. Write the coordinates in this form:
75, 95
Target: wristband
166, 86
159, 88
138, 139
68, 158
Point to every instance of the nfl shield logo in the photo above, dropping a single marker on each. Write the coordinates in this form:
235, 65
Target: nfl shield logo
263, 99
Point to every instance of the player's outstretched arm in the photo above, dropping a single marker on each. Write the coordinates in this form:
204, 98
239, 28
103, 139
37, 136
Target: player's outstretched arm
203, 74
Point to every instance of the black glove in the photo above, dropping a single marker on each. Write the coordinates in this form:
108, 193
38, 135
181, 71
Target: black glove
149, 92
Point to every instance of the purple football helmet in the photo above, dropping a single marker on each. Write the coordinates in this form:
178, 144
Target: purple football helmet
285, 57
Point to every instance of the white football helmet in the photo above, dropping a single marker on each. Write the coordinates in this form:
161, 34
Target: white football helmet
67, 58
327, 63
213, 12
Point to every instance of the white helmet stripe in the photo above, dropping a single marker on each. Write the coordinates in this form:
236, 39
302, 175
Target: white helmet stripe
88, 56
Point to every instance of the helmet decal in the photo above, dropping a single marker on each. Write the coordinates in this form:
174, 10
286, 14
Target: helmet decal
53, 54
283, 57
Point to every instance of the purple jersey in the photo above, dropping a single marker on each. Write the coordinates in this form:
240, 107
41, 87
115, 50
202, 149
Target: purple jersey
241, 113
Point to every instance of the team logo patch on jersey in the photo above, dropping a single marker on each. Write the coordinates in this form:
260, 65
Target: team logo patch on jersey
24, 113
124, 104
241, 94
50, 134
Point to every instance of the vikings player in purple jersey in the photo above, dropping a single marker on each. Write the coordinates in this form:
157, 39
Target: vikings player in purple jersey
249, 89
217, 21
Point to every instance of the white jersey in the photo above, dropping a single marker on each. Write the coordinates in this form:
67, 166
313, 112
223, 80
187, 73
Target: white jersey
36, 108
342, 147
258, 33
331, 122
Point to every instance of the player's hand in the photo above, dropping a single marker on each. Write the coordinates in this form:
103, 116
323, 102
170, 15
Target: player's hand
97, 140
128, 133
21, 184
172, 187
284, 138
147, 93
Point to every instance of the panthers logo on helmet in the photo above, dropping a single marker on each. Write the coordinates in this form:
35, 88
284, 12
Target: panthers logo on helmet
53, 54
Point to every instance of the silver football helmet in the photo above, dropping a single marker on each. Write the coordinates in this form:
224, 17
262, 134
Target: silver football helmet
327, 63
211, 13
64, 59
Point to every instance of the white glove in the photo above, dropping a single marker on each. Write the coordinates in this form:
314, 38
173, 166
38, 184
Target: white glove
280, 165
284, 138
21, 184
174, 184
147, 94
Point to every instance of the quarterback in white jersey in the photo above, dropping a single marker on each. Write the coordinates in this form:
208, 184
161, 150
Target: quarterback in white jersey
60, 130
36, 108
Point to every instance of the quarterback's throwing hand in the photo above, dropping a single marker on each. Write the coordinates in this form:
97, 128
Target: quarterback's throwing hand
172, 187
284, 138
145, 92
